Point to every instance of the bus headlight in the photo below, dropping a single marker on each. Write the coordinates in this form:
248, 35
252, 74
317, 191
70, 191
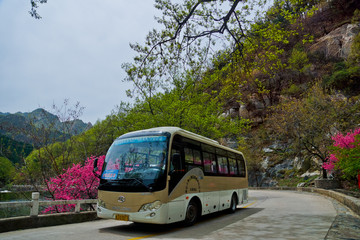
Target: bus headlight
150, 206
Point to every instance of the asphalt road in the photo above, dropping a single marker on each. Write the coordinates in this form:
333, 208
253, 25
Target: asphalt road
268, 215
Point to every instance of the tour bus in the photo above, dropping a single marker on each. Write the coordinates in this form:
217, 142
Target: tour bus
167, 174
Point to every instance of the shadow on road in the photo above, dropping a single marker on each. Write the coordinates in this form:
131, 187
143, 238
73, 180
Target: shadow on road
204, 226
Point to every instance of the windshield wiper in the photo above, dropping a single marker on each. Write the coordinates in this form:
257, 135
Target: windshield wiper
121, 182
139, 181
110, 182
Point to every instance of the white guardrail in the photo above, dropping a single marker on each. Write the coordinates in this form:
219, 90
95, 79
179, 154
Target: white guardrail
35, 203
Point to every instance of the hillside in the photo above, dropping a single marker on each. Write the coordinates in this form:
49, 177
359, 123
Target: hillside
13, 150
279, 95
315, 96
21, 132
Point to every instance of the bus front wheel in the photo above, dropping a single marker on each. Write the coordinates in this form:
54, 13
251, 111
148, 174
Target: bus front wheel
192, 213
233, 204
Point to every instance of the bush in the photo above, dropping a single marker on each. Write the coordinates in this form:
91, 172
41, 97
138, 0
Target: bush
345, 154
346, 79
293, 90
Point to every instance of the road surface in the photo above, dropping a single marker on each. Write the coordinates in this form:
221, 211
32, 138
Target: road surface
267, 215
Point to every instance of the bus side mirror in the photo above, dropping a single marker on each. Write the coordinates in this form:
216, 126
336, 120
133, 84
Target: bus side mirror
96, 165
95, 169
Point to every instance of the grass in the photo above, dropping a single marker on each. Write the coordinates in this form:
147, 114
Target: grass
294, 181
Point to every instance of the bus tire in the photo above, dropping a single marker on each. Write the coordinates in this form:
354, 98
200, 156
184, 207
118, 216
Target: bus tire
233, 204
192, 213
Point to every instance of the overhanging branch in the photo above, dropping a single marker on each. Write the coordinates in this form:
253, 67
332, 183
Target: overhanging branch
221, 30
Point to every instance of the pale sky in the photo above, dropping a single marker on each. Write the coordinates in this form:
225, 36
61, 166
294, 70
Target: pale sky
74, 52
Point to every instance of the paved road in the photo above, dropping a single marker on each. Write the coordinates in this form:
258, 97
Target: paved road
268, 215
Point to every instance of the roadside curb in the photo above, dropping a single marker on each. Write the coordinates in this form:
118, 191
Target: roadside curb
18, 223
350, 202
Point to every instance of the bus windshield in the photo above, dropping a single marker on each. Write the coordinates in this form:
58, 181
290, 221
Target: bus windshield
135, 164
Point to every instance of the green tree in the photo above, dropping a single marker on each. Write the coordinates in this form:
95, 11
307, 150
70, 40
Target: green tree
298, 61
190, 108
7, 171
307, 124
184, 46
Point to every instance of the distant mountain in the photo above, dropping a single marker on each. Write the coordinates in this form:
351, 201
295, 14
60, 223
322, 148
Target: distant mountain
39, 127
13, 150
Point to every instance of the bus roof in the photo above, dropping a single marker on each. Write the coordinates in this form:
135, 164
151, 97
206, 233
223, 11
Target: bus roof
173, 130
185, 133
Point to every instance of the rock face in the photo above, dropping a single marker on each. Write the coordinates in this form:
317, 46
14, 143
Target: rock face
254, 109
338, 42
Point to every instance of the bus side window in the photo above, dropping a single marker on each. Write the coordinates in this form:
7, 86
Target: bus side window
197, 157
223, 165
233, 167
209, 159
175, 164
192, 158
241, 164
189, 158
209, 162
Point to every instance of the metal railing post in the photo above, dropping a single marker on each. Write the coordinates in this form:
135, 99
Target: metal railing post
77, 207
35, 204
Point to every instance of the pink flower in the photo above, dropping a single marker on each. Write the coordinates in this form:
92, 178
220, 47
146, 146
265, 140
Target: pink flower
341, 142
77, 182
347, 141
330, 163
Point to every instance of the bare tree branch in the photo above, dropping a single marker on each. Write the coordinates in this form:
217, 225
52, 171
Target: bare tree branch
224, 27
34, 6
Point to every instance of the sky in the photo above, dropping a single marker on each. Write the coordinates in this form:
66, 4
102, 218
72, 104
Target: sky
74, 52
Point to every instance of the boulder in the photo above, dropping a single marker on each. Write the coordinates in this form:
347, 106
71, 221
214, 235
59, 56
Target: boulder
338, 42
298, 163
310, 174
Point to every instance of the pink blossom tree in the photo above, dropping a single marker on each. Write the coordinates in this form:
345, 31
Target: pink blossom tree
346, 155
77, 182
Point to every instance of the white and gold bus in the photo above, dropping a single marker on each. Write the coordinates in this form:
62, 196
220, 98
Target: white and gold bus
167, 174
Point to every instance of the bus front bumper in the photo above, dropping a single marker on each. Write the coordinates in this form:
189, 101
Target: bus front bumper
158, 216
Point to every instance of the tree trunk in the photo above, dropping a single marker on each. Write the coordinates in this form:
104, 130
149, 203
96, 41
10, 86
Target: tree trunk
324, 173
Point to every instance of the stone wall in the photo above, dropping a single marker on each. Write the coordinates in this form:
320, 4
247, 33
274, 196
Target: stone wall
327, 183
16, 223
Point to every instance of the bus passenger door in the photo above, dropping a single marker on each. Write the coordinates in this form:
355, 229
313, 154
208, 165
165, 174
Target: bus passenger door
176, 168
176, 210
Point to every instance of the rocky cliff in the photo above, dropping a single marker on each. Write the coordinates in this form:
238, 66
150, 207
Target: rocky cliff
337, 43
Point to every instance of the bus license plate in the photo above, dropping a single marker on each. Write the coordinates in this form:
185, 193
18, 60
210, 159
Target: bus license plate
122, 217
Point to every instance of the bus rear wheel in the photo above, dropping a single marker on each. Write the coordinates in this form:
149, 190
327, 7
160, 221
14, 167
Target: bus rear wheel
192, 213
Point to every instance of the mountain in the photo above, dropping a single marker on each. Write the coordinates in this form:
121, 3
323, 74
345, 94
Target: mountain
39, 127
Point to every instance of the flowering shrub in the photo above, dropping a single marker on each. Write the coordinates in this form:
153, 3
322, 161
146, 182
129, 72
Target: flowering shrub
347, 141
330, 163
345, 154
77, 182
